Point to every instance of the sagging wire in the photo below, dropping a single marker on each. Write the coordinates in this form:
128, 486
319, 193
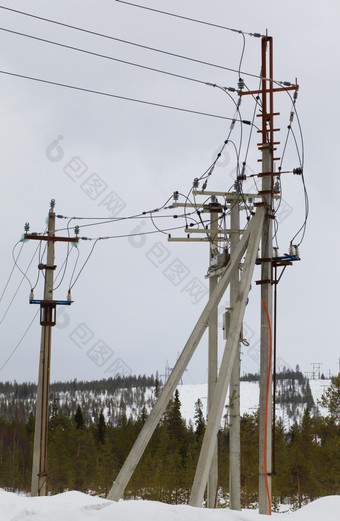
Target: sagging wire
21, 339
105, 220
40, 257
74, 267
86, 261
12, 270
64, 264
17, 265
22, 279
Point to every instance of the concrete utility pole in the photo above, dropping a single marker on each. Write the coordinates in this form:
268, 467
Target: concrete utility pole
260, 229
265, 427
213, 352
234, 390
267, 147
47, 320
248, 242
233, 340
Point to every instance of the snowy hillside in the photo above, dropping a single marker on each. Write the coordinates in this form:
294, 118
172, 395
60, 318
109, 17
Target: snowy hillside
293, 394
249, 394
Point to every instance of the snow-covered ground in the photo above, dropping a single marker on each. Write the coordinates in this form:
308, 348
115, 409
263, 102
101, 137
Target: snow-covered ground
75, 506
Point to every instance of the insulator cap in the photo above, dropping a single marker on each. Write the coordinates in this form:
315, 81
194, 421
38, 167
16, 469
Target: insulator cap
240, 84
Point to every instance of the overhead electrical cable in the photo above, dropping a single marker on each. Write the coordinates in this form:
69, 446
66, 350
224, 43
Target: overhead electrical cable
84, 264
24, 273
188, 18
21, 339
127, 42
107, 94
105, 56
74, 267
12, 270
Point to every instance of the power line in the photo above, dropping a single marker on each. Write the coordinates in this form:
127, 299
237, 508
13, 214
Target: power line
12, 270
21, 339
190, 19
107, 94
127, 42
105, 56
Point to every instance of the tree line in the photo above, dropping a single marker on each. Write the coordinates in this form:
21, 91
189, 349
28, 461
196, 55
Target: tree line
87, 455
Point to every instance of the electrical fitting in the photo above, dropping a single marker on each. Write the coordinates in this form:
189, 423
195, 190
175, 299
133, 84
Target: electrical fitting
237, 186
240, 84
277, 186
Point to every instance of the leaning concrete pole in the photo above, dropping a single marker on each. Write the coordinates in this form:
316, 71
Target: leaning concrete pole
214, 419
152, 421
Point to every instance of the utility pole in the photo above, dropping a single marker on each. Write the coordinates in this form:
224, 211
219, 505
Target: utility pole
267, 147
47, 321
213, 351
234, 390
265, 427
249, 242
259, 230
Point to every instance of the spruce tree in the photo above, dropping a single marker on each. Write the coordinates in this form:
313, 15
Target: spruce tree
79, 419
199, 420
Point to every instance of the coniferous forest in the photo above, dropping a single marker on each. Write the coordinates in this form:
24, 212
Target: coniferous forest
87, 449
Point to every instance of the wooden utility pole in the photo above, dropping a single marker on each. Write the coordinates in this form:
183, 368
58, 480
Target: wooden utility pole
47, 321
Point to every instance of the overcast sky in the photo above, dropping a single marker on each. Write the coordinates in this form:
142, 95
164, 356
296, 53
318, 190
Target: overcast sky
101, 157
